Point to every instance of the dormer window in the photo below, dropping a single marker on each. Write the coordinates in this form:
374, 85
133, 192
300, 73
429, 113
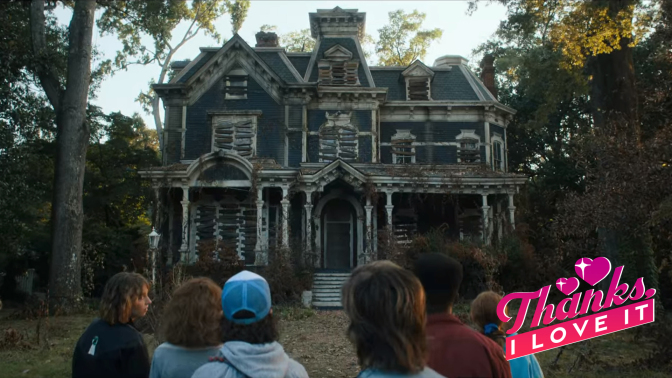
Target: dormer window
418, 79
403, 151
338, 68
235, 85
468, 150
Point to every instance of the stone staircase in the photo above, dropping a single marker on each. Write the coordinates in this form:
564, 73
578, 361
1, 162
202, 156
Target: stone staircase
327, 289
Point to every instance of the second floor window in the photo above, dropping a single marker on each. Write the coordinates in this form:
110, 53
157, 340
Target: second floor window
338, 138
236, 135
469, 151
497, 156
403, 151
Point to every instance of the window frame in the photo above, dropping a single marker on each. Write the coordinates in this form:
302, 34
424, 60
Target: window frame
235, 118
464, 137
241, 77
403, 135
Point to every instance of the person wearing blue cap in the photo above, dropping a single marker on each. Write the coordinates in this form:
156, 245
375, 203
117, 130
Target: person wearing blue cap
249, 335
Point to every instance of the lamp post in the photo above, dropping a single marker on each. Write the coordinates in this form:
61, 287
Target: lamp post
153, 246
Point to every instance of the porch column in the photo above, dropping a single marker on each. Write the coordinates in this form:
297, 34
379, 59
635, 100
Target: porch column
498, 219
184, 248
309, 222
260, 257
512, 211
285, 216
369, 229
389, 208
485, 208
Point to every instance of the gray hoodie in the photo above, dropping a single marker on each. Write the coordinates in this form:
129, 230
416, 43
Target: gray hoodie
252, 361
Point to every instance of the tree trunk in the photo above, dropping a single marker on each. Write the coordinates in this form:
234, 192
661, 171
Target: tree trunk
614, 102
72, 140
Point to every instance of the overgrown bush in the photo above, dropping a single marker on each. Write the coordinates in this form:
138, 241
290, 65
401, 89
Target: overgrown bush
289, 272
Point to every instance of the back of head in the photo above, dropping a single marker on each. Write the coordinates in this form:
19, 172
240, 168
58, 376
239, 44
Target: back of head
192, 317
484, 315
385, 304
246, 303
441, 277
120, 292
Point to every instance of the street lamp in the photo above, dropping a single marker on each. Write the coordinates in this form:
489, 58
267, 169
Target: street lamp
153, 246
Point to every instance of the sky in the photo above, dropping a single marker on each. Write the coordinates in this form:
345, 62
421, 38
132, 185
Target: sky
461, 34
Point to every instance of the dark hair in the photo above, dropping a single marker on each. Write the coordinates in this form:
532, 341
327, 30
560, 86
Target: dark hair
116, 303
192, 317
386, 307
441, 277
261, 332
484, 312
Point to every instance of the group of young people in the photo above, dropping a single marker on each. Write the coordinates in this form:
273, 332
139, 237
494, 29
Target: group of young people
401, 324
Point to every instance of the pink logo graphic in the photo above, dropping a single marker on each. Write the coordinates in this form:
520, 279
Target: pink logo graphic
592, 271
567, 285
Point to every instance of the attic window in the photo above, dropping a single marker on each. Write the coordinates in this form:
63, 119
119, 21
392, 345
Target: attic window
417, 89
236, 135
403, 151
338, 72
236, 85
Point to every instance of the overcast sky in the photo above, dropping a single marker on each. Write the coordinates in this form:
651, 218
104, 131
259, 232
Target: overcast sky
461, 34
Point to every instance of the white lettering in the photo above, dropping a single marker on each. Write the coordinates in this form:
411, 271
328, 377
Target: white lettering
641, 311
580, 332
599, 322
513, 347
564, 333
534, 342
626, 316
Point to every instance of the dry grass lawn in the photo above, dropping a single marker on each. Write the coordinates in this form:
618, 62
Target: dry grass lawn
314, 338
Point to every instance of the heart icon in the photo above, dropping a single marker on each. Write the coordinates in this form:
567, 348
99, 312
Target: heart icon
567, 285
592, 271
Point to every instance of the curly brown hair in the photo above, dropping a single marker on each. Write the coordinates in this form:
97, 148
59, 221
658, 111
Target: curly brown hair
386, 307
192, 317
261, 332
116, 303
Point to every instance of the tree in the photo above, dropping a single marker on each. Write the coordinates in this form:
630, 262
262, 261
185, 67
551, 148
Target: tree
69, 102
401, 41
131, 20
238, 11
296, 41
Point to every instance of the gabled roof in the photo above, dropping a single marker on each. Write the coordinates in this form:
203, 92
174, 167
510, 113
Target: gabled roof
418, 69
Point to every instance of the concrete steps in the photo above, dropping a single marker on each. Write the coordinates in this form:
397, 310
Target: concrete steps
327, 289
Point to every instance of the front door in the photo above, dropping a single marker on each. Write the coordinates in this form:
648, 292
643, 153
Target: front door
338, 235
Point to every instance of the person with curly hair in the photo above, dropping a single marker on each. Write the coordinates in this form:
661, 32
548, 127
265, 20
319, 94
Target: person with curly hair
111, 346
484, 315
250, 335
191, 328
386, 307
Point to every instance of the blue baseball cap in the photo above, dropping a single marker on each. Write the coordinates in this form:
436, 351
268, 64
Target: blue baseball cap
246, 291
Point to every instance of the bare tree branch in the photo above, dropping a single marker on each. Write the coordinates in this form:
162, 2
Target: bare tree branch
48, 78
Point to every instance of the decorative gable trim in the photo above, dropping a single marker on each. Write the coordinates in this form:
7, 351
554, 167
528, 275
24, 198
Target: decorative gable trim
338, 52
236, 52
418, 69
291, 67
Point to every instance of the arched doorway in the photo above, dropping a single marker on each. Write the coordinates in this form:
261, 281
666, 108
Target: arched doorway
339, 234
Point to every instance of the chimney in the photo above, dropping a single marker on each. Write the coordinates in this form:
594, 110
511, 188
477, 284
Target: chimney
266, 39
488, 73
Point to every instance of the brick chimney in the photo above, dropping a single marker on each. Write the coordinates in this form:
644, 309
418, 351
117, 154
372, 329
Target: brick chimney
266, 39
488, 73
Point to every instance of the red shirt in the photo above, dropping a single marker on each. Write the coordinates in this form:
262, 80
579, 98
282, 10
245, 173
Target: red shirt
457, 351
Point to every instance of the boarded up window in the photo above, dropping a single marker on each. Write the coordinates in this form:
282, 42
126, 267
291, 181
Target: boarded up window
418, 89
338, 138
226, 226
235, 87
469, 151
235, 135
403, 151
338, 72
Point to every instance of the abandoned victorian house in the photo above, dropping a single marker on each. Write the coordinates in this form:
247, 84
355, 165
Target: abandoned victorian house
264, 149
